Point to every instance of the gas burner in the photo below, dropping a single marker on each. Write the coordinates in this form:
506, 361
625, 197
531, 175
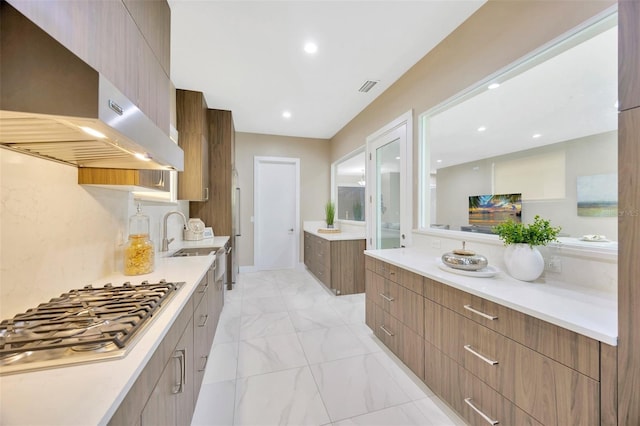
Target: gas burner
81, 325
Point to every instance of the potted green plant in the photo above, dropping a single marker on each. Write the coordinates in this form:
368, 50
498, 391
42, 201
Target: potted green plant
522, 257
330, 213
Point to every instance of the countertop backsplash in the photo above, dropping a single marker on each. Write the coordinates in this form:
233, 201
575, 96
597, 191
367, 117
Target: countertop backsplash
57, 235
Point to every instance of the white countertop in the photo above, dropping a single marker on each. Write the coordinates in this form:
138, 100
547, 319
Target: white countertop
89, 394
586, 311
336, 236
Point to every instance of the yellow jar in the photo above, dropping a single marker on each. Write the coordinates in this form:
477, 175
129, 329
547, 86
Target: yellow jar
139, 255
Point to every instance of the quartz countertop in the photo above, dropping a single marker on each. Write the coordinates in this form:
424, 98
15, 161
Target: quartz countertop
335, 236
586, 311
89, 394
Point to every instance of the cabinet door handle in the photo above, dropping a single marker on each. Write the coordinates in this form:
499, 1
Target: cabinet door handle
206, 318
387, 298
482, 314
206, 194
204, 288
204, 365
468, 348
388, 333
180, 355
477, 410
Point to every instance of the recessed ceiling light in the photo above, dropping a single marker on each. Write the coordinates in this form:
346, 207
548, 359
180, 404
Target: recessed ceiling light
286, 114
536, 136
438, 161
397, 158
493, 86
482, 129
311, 48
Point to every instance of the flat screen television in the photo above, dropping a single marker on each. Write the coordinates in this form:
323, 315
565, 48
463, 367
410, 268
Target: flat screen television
491, 210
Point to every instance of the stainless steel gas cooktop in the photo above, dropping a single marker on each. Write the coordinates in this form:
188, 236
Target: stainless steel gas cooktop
83, 325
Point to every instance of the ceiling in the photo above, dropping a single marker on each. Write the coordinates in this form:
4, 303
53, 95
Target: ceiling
248, 57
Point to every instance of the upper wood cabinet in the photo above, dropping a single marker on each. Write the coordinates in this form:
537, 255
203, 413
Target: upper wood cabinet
217, 211
125, 179
191, 123
128, 44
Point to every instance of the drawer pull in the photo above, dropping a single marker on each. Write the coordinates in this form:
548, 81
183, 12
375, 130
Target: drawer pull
387, 298
482, 314
390, 334
477, 410
479, 355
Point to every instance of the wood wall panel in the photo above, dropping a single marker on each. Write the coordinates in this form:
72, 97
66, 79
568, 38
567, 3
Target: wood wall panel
629, 267
628, 54
608, 385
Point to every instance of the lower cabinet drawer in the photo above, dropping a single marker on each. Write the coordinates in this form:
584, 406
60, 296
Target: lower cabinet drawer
552, 393
475, 401
404, 342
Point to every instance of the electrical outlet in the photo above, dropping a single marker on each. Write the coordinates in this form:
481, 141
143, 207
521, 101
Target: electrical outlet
435, 244
554, 264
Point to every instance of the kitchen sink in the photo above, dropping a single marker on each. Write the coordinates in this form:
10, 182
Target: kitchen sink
195, 251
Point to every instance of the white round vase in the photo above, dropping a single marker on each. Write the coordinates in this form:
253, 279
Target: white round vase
524, 263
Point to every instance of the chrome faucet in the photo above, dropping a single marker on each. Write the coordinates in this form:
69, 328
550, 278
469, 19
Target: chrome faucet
165, 241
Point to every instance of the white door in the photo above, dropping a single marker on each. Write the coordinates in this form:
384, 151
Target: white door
389, 188
276, 212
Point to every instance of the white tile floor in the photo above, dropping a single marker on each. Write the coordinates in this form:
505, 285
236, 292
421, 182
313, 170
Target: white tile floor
287, 352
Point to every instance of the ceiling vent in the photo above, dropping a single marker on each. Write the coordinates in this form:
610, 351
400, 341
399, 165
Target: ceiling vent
368, 85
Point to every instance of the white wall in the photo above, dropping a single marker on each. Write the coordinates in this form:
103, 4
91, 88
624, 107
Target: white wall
315, 170
56, 235
592, 155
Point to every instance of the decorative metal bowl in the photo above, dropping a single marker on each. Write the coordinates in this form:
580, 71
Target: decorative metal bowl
464, 259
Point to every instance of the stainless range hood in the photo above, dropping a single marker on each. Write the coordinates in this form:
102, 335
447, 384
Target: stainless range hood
54, 105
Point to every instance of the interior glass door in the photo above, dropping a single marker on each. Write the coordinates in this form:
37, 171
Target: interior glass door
387, 205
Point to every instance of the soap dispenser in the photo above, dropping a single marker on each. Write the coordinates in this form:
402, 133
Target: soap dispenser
139, 253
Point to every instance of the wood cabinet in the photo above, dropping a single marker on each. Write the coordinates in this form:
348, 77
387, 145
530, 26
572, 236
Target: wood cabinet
626, 392
192, 126
338, 264
217, 211
125, 179
167, 389
399, 312
128, 44
490, 362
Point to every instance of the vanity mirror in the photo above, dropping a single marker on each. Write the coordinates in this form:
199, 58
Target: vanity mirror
545, 128
348, 175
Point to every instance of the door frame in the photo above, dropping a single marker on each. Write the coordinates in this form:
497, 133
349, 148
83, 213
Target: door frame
406, 178
257, 160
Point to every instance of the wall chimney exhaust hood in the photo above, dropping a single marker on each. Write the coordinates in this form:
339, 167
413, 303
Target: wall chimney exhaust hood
54, 105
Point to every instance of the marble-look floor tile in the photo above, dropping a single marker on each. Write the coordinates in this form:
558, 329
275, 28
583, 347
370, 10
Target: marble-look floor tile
215, 404
254, 326
262, 305
306, 299
403, 376
366, 336
262, 290
351, 313
228, 329
328, 344
320, 316
288, 397
355, 386
269, 354
400, 415
222, 363
437, 413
